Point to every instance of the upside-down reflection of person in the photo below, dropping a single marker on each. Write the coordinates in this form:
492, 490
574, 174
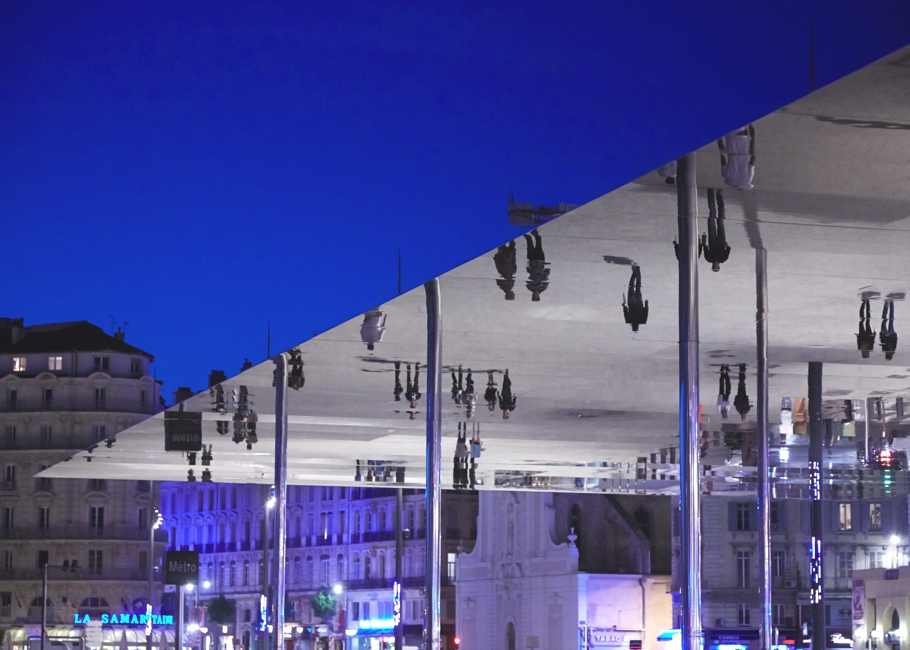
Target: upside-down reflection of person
490, 393
865, 338
507, 266
412, 393
507, 401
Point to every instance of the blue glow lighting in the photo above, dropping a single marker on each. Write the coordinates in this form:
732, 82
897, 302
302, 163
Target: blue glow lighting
377, 624
396, 604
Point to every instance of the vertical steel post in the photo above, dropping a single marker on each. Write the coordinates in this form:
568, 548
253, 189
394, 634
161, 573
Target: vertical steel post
43, 607
434, 462
281, 499
764, 444
178, 631
816, 482
690, 556
399, 550
151, 567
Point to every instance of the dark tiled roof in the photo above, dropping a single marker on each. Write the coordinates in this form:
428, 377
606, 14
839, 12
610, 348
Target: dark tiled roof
78, 336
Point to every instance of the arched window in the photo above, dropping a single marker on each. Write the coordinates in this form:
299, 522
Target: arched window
210, 572
356, 569
231, 575
324, 561
366, 567
221, 575
381, 561
246, 573
340, 567
510, 636
895, 620
368, 522
93, 605
297, 575
382, 519
310, 577
642, 517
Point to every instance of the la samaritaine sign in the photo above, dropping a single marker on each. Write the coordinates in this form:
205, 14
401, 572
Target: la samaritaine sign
126, 619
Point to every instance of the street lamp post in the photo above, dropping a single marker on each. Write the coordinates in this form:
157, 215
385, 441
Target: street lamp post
66, 566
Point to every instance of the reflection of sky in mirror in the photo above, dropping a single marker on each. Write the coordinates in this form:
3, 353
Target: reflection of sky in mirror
560, 352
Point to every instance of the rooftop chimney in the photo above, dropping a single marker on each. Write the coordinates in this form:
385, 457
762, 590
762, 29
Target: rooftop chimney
216, 377
119, 335
18, 330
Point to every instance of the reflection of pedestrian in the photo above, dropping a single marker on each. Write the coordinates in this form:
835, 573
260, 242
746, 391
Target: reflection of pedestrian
412, 394
469, 399
715, 241
723, 391
636, 311
398, 389
457, 387
538, 273
460, 464
888, 337
741, 401
865, 339
507, 401
373, 328
737, 157
490, 393
507, 267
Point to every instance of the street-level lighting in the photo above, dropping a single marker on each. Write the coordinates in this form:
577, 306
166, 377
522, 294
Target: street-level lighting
66, 566
206, 584
895, 539
338, 589
189, 586
270, 503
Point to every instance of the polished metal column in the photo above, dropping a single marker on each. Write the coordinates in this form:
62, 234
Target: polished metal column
690, 555
399, 550
764, 445
434, 462
279, 557
816, 522
181, 617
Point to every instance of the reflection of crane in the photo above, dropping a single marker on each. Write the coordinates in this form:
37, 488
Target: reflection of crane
526, 214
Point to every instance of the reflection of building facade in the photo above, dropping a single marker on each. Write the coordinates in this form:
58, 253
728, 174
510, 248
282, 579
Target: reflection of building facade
65, 387
857, 537
556, 570
336, 535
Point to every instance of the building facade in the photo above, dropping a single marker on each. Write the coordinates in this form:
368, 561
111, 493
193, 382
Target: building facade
858, 536
336, 536
557, 571
65, 387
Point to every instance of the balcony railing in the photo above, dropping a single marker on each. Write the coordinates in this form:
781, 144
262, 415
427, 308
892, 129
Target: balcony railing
122, 533
109, 405
80, 574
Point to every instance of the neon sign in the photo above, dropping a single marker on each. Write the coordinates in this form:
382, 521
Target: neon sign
126, 619
263, 612
396, 604
377, 624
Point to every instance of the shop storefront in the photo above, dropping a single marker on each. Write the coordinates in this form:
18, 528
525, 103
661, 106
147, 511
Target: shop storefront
114, 637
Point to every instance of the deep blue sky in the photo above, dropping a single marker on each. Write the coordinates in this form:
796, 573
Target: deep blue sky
199, 169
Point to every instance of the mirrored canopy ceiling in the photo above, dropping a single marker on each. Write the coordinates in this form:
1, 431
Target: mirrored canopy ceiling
547, 386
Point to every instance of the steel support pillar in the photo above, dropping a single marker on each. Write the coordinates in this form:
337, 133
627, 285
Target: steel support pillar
816, 521
434, 463
399, 550
764, 445
181, 617
690, 556
279, 557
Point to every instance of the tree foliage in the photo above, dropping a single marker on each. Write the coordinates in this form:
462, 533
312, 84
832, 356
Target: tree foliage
323, 604
220, 610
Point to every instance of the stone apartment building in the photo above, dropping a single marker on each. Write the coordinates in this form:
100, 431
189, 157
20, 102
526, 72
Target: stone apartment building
65, 387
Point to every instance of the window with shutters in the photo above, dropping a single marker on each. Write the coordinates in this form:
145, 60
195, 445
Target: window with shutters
875, 516
845, 516
743, 562
743, 614
743, 516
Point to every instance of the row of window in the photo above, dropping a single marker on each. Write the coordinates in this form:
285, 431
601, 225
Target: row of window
744, 516
843, 567
46, 435
93, 566
47, 399
55, 364
95, 513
